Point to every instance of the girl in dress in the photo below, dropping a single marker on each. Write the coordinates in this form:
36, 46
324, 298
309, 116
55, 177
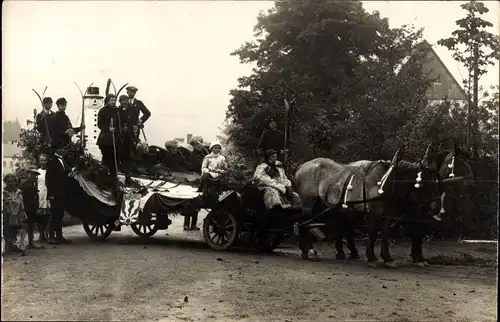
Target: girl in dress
14, 216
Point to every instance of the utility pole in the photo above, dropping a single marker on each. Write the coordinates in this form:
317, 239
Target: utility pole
474, 123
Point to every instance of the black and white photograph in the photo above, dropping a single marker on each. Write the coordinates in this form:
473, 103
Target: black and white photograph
286, 160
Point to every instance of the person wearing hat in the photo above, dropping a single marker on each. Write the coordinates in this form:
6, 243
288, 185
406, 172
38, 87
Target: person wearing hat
57, 181
212, 166
61, 128
198, 154
137, 107
43, 120
108, 121
29, 189
271, 138
270, 176
128, 136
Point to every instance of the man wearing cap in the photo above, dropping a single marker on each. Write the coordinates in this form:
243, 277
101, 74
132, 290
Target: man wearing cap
137, 107
61, 128
44, 120
108, 121
271, 138
29, 189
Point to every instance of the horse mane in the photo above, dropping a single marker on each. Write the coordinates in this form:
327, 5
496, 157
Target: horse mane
407, 165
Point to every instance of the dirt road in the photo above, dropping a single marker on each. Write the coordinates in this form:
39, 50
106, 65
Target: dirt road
178, 278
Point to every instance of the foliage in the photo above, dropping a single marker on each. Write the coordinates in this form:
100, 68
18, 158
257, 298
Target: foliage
471, 213
91, 169
319, 54
471, 34
340, 64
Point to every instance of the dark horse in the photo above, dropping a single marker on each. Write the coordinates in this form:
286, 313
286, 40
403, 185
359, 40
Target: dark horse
380, 188
457, 176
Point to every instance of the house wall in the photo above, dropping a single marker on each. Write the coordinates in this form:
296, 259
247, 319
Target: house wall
8, 165
445, 86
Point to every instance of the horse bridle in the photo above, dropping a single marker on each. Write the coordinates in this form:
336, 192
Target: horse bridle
452, 177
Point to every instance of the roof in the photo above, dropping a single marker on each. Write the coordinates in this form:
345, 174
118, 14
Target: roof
9, 149
424, 45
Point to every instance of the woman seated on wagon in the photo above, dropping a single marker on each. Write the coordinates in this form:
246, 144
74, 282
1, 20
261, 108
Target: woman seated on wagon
213, 165
270, 176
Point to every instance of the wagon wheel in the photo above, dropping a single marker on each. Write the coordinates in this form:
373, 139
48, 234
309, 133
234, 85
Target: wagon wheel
98, 232
220, 230
268, 242
145, 230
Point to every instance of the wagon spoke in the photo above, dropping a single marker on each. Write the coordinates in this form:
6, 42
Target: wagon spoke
94, 228
101, 229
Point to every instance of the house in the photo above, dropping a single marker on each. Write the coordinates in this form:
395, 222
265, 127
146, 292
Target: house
9, 149
445, 86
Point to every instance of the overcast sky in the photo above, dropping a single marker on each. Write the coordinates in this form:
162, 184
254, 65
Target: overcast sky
176, 53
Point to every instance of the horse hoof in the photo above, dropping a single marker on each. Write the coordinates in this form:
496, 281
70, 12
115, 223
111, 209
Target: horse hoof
391, 264
311, 255
340, 257
372, 264
421, 264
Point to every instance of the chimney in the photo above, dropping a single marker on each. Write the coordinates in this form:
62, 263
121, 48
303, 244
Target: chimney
189, 137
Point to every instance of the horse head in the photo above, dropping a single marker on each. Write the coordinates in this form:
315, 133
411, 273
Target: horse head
454, 166
418, 181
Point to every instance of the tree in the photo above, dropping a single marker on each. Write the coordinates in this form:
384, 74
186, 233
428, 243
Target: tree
476, 48
339, 64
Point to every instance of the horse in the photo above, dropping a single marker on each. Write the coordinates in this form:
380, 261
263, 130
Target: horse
456, 174
324, 184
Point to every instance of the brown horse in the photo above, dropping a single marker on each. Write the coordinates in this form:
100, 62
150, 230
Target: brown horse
374, 187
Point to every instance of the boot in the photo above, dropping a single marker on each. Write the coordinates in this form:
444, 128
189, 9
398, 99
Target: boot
186, 222
33, 245
60, 237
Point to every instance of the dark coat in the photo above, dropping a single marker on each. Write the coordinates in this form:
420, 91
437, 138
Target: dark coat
43, 122
29, 188
136, 108
127, 121
196, 159
60, 123
104, 117
271, 139
56, 178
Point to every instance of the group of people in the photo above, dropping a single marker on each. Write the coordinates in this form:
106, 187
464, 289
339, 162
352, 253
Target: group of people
120, 130
34, 197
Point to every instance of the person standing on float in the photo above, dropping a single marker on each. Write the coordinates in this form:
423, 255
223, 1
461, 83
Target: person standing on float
109, 123
137, 107
44, 119
61, 129
271, 139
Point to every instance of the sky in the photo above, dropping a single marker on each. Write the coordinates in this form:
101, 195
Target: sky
177, 53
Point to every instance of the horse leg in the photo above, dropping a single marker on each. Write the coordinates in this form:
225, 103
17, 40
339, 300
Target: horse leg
373, 229
417, 237
351, 245
339, 240
384, 248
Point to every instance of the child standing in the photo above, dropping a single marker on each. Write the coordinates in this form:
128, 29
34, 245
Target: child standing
14, 216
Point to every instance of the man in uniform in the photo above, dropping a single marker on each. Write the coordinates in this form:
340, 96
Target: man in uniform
137, 107
61, 128
271, 139
44, 119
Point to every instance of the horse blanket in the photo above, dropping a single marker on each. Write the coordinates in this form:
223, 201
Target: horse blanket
336, 183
